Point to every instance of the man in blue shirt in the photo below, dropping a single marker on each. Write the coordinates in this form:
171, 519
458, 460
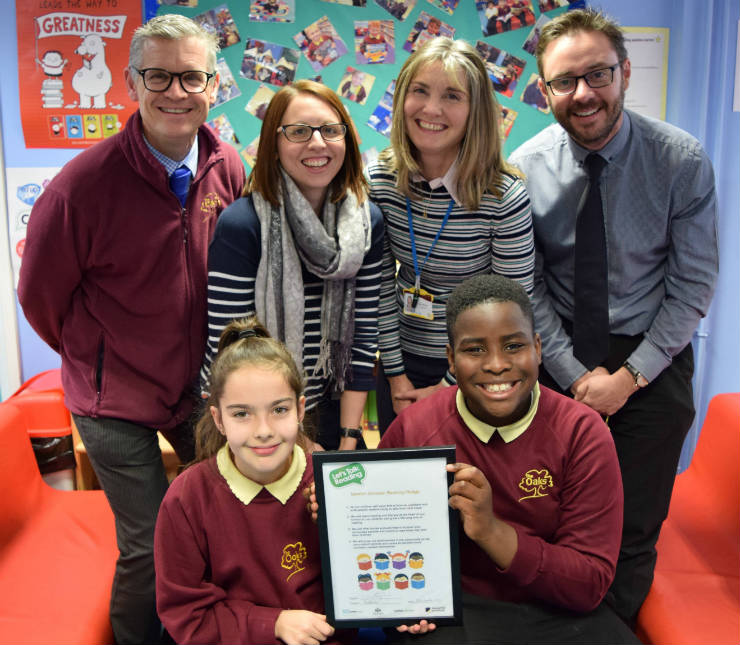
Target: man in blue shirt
654, 198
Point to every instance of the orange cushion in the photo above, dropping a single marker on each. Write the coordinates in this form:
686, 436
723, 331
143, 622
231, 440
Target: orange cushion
56, 575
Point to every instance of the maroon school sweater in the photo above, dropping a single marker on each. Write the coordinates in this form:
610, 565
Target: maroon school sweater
558, 484
225, 570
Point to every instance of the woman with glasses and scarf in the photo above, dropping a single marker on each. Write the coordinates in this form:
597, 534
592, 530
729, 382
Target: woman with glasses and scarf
302, 250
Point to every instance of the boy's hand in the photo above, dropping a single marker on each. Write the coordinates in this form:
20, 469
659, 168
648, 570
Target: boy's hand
422, 627
300, 627
471, 495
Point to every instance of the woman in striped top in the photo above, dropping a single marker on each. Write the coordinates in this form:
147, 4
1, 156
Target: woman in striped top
453, 208
302, 250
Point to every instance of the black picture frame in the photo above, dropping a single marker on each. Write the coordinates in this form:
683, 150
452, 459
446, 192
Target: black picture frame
330, 459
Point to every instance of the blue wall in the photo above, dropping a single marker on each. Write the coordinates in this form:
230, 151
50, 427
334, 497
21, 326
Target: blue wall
700, 83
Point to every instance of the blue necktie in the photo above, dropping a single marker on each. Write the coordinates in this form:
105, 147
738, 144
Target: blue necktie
180, 182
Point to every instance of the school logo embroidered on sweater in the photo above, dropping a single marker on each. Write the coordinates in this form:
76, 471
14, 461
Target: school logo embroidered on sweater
210, 205
294, 555
536, 483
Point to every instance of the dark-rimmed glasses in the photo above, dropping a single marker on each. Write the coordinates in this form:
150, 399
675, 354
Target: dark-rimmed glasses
192, 81
300, 132
595, 78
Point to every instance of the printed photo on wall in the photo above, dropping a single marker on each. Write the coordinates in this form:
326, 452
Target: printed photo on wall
269, 62
503, 68
320, 43
507, 120
374, 41
355, 85
257, 105
399, 9
425, 28
249, 154
448, 6
178, 3
532, 95
370, 155
549, 5
499, 16
225, 130
349, 3
219, 21
380, 119
272, 11
530, 44
227, 87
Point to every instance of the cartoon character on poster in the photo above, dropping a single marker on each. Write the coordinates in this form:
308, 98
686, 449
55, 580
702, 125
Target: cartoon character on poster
93, 79
71, 89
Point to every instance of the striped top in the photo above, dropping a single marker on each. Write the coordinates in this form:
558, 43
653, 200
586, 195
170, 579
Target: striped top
497, 238
233, 258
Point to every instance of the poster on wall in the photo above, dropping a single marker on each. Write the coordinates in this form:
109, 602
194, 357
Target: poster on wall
71, 57
647, 48
24, 187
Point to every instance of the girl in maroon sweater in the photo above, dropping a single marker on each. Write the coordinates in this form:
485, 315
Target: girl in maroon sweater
236, 554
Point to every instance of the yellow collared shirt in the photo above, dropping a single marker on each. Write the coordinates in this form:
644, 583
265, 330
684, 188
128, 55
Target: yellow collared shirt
484, 432
246, 490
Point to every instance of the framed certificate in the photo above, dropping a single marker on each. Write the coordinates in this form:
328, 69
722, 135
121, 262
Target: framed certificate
389, 540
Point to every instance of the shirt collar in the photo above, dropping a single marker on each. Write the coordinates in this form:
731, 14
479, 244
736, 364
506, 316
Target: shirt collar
170, 165
246, 490
448, 180
508, 433
612, 148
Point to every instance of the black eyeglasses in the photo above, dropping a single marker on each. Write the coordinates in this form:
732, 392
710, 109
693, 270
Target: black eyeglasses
159, 80
595, 78
300, 132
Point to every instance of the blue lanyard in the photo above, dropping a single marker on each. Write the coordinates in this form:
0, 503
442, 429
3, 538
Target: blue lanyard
417, 269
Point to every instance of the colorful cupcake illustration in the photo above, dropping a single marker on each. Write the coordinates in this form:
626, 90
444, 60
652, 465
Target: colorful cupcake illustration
417, 581
416, 560
401, 581
399, 560
364, 561
365, 581
381, 561
383, 580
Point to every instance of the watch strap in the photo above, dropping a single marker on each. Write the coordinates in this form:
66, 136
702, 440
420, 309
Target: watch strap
352, 433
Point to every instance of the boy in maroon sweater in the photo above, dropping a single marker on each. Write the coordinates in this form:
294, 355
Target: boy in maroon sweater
537, 482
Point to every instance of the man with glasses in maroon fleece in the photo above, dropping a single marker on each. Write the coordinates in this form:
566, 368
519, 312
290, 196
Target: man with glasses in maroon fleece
114, 279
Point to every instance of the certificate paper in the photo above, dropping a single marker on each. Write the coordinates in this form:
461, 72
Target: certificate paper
389, 540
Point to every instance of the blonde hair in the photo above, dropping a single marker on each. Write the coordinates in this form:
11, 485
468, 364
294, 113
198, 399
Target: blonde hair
480, 159
266, 178
243, 342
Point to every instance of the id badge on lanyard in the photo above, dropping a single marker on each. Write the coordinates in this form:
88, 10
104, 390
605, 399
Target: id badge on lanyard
417, 302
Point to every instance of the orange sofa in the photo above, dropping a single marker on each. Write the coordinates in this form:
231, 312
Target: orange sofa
695, 596
57, 550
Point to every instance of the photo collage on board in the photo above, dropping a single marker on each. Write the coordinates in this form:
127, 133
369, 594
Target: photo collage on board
357, 48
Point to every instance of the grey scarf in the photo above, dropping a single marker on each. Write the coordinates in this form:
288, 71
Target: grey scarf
333, 248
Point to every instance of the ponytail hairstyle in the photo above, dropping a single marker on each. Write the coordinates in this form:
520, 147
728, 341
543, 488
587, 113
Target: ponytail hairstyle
244, 342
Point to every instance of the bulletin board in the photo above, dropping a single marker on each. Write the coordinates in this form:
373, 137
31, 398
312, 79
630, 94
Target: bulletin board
357, 47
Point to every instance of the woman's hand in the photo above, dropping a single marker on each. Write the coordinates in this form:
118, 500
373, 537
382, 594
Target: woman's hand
301, 627
403, 392
312, 506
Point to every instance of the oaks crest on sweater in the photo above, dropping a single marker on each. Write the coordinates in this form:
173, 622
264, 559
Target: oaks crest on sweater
294, 555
